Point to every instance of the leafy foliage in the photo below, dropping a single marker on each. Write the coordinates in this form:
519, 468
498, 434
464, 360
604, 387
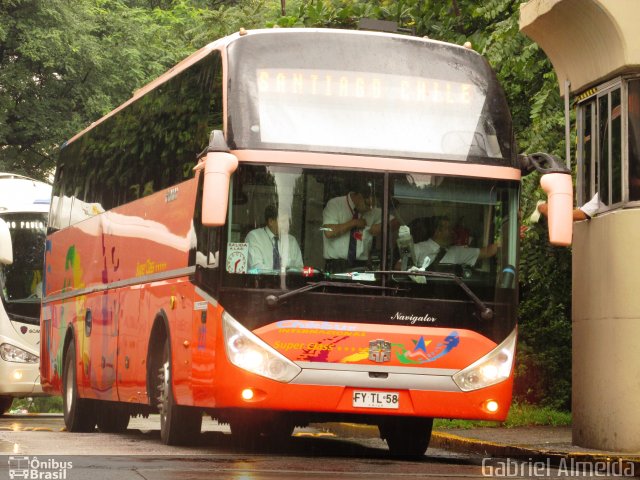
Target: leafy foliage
37, 405
64, 64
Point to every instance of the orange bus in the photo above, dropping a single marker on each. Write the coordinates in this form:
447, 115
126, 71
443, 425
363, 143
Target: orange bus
157, 295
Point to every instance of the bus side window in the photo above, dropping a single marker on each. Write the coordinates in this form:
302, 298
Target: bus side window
206, 254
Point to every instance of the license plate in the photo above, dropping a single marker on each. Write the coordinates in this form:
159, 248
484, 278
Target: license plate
368, 399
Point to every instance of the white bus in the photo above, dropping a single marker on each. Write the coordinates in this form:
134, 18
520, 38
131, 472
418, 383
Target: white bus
24, 205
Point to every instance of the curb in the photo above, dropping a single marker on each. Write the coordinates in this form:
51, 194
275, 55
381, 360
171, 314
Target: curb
556, 458
461, 444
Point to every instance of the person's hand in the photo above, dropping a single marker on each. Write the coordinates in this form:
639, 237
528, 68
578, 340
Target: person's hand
375, 229
543, 208
359, 223
489, 251
417, 278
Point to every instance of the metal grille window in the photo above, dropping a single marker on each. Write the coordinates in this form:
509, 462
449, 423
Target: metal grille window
603, 147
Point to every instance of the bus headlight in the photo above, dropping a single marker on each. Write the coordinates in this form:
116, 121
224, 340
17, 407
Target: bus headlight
11, 353
247, 351
494, 367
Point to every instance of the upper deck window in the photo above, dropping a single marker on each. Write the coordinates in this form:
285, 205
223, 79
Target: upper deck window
378, 95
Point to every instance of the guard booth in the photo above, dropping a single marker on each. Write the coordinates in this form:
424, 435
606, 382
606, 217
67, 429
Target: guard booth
594, 46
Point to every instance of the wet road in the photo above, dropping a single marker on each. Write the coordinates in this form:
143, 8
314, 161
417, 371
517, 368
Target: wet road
40, 443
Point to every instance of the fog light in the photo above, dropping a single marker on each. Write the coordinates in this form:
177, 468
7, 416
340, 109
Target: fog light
247, 394
17, 375
491, 406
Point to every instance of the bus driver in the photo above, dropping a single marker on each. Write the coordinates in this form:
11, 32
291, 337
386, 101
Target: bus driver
267, 246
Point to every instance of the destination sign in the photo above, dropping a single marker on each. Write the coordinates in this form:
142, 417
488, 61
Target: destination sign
26, 224
364, 85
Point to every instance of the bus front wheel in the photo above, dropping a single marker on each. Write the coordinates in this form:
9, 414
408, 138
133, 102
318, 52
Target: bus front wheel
179, 425
406, 437
79, 413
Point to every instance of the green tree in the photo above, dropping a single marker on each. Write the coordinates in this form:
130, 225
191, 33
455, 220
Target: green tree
64, 64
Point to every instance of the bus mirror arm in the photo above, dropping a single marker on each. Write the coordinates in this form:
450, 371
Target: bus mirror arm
218, 166
536, 161
556, 183
6, 248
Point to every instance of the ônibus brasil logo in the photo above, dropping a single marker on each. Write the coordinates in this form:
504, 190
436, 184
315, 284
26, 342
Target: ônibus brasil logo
38, 469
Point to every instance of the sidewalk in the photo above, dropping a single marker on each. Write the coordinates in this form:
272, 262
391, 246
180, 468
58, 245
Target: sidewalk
534, 444
524, 443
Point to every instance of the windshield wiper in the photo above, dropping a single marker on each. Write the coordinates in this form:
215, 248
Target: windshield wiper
485, 312
273, 300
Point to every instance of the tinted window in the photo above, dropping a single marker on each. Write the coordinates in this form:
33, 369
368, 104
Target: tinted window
148, 146
348, 93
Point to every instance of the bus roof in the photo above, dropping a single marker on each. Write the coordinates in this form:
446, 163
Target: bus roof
23, 194
225, 41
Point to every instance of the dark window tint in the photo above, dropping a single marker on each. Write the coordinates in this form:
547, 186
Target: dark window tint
603, 112
366, 94
149, 145
634, 140
587, 146
616, 147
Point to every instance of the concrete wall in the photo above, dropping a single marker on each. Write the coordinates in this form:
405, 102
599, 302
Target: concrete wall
587, 41
606, 332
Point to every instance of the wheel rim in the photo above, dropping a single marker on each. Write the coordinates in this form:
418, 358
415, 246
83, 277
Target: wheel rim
164, 392
69, 388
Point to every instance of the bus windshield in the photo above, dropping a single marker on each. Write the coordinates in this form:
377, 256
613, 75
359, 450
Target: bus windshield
295, 212
22, 280
355, 94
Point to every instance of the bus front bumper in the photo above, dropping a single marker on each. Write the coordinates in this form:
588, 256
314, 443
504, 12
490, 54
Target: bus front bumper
20, 379
241, 389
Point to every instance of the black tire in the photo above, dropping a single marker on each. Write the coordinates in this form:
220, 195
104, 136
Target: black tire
251, 431
5, 404
112, 417
406, 437
79, 413
179, 425
245, 434
279, 432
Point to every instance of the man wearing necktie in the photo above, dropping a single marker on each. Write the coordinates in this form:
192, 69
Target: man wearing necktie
270, 248
346, 225
438, 249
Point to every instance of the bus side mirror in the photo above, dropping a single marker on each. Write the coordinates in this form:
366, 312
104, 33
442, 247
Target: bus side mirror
218, 166
6, 248
556, 182
559, 190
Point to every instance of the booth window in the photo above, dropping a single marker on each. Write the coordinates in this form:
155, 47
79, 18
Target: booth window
608, 158
634, 140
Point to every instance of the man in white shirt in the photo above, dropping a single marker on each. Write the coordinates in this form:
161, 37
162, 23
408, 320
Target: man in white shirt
438, 249
347, 222
267, 247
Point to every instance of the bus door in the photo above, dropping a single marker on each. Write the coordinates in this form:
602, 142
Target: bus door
132, 346
101, 332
